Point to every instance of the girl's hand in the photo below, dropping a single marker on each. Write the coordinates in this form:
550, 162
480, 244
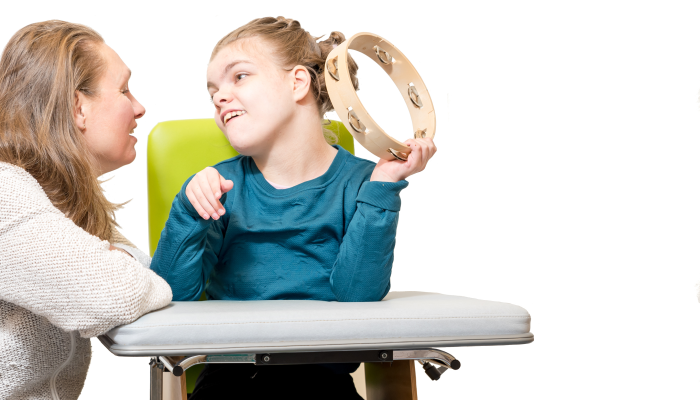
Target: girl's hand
395, 170
205, 190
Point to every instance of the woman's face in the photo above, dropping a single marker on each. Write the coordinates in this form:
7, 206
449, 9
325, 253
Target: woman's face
109, 118
243, 78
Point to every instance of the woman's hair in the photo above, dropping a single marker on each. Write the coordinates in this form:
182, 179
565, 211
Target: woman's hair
293, 46
41, 68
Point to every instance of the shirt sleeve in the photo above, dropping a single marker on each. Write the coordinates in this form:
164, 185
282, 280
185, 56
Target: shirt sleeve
137, 254
362, 270
55, 269
188, 248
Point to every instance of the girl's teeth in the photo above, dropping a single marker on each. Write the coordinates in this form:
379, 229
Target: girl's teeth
233, 114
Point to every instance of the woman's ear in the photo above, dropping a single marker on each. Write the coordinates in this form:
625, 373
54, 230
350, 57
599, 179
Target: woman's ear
79, 110
302, 82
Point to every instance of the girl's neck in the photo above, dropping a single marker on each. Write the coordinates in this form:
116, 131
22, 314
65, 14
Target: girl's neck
300, 152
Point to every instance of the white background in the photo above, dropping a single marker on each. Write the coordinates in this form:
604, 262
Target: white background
566, 179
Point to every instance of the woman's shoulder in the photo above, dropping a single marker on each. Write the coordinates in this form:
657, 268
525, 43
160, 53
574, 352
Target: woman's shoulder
17, 183
118, 238
11, 172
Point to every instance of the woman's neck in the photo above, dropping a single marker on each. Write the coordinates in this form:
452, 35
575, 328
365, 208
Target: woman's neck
300, 152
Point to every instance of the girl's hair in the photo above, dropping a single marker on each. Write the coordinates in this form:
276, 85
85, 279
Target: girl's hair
293, 46
41, 68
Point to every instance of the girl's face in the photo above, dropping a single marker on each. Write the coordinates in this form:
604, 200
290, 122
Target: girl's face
252, 95
110, 116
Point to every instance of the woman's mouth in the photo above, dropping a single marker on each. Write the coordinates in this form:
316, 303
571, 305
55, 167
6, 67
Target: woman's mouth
231, 115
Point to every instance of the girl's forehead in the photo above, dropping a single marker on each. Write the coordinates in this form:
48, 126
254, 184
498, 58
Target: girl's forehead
251, 54
250, 50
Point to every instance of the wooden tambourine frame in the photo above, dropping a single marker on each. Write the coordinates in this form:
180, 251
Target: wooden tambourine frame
354, 115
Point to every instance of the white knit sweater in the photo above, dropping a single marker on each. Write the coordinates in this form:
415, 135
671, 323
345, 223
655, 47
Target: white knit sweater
59, 286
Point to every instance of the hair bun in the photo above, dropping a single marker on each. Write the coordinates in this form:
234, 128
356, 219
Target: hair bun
289, 23
326, 46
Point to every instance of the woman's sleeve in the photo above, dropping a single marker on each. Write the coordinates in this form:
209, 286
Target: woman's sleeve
362, 270
188, 249
55, 269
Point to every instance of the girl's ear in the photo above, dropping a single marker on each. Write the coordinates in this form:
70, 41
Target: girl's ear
79, 110
302, 82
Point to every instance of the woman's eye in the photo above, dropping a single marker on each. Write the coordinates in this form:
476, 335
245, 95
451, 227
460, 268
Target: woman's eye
240, 76
125, 91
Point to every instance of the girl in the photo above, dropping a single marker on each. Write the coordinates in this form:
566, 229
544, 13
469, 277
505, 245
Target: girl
292, 217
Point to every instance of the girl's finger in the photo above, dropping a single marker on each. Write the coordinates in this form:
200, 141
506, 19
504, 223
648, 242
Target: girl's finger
411, 160
225, 184
212, 177
431, 147
425, 153
209, 189
204, 202
417, 150
195, 203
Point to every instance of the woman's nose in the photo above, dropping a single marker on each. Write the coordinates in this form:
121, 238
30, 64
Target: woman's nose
139, 110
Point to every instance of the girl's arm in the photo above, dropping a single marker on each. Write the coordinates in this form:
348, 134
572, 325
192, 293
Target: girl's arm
363, 267
362, 270
55, 269
188, 248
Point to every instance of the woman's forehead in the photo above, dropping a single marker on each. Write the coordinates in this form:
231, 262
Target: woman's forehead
116, 70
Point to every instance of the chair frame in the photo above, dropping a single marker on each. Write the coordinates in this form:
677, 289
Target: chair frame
380, 376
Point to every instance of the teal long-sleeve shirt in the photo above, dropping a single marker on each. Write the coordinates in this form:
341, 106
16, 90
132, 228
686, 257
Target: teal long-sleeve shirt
331, 238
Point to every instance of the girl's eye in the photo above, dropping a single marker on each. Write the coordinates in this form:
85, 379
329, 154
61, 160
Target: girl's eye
240, 76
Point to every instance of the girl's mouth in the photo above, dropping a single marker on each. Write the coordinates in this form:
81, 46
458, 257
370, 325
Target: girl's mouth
231, 115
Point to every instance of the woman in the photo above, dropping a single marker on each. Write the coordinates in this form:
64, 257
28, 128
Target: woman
66, 115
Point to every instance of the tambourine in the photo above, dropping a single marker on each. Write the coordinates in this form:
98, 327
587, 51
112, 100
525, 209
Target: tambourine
354, 115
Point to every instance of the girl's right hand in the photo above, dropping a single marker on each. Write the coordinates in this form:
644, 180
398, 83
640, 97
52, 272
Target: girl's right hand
205, 190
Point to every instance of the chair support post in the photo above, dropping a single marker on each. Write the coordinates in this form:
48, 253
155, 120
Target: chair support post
391, 381
156, 380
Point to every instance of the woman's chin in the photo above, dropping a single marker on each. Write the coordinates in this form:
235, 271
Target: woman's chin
127, 159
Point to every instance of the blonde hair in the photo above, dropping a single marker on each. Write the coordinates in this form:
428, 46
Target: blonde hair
41, 68
293, 46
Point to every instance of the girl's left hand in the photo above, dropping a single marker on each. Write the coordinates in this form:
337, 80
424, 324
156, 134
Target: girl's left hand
395, 170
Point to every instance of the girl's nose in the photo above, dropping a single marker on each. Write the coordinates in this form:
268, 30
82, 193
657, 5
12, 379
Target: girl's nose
222, 98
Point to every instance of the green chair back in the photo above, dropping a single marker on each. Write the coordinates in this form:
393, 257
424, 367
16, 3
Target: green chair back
180, 149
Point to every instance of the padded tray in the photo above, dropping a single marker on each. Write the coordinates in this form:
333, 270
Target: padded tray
403, 320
